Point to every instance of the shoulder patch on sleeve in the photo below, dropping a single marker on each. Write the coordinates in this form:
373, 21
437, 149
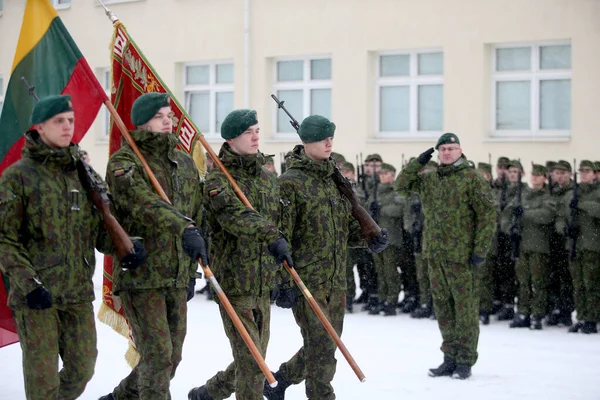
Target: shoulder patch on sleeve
213, 188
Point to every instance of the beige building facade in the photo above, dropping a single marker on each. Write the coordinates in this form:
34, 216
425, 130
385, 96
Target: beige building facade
517, 77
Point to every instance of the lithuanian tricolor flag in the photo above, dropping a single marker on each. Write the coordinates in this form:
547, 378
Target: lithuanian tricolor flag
48, 58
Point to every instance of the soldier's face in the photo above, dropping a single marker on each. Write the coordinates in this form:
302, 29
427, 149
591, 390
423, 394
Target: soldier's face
386, 177
162, 122
57, 131
562, 177
449, 153
537, 181
348, 174
501, 171
486, 176
270, 167
598, 175
587, 175
247, 142
513, 174
319, 151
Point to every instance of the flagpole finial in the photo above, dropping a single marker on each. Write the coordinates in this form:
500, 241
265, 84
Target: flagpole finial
109, 13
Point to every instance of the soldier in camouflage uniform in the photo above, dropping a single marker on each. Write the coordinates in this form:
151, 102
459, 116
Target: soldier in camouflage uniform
459, 225
347, 169
500, 248
48, 231
154, 295
560, 286
536, 217
314, 212
248, 247
597, 172
585, 231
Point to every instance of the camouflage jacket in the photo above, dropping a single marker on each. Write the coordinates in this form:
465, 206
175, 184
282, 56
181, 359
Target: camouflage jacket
588, 209
394, 209
240, 235
142, 212
458, 208
317, 220
537, 222
559, 194
48, 226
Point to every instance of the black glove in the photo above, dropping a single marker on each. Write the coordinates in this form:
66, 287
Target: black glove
425, 156
39, 299
379, 243
518, 211
194, 245
191, 289
136, 258
287, 298
279, 249
476, 260
416, 208
574, 202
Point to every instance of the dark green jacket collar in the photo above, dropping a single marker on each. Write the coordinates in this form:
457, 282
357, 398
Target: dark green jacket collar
459, 165
299, 160
251, 163
39, 151
154, 143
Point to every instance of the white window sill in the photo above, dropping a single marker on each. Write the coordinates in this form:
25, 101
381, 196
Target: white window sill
524, 139
405, 137
62, 6
108, 2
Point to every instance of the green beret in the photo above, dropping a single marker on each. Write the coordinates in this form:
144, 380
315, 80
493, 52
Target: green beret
373, 157
563, 165
50, 106
596, 166
539, 170
485, 167
550, 165
586, 164
147, 105
338, 157
347, 166
515, 164
502, 162
315, 128
388, 167
447, 138
237, 122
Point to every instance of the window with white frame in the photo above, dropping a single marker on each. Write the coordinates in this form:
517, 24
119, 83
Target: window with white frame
208, 90
305, 86
532, 90
410, 93
104, 113
1, 93
59, 4
1, 6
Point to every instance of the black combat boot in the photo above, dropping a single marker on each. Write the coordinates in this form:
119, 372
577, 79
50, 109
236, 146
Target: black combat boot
107, 397
589, 327
364, 296
349, 305
422, 312
565, 318
389, 309
520, 321
278, 392
410, 305
496, 307
445, 369
536, 322
373, 301
553, 318
462, 371
402, 302
374, 308
484, 317
199, 393
576, 327
507, 313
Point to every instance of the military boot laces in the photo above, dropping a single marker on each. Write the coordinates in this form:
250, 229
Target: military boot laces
461, 371
445, 369
199, 393
278, 392
520, 321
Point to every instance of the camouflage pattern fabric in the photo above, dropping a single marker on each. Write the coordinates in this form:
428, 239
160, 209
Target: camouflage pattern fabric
388, 277
243, 375
314, 211
240, 235
486, 283
459, 222
423, 279
586, 282
68, 330
136, 203
158, 320
48, 226
315, 361
532, 274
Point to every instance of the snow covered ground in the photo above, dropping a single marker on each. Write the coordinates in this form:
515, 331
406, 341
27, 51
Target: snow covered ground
393, 352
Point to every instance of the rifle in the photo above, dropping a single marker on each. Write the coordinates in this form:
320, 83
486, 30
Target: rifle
573, 226
515, 228
374, 206
417, 226
369, 229
98, 194
361, 177
282, 165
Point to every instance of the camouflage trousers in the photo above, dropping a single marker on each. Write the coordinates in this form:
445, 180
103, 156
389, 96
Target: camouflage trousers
486, 283
532, 274
560, 284
586, 282
388, 277
243, 376
65, 330
423, 279
366, 271
158, 320
315, 361
454, 289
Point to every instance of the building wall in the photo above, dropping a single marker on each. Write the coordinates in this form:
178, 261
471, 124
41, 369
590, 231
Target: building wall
351, 32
